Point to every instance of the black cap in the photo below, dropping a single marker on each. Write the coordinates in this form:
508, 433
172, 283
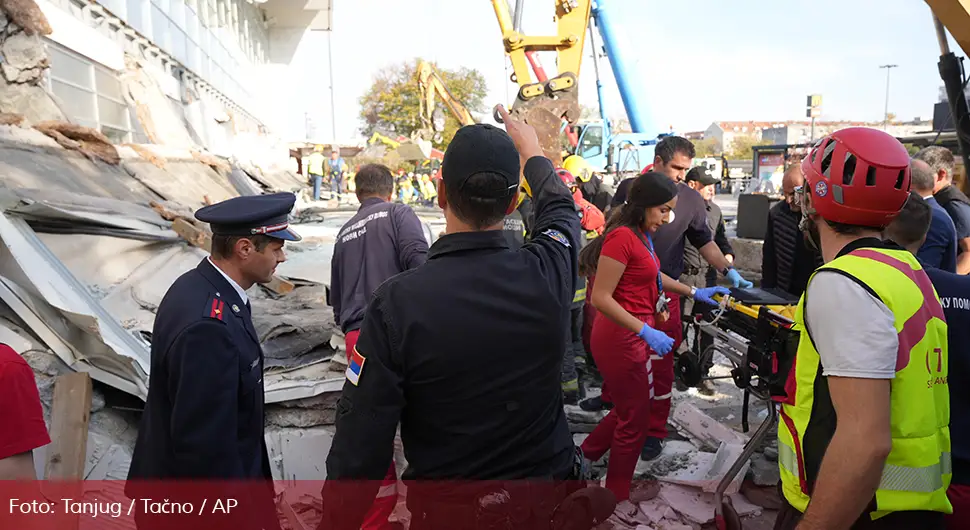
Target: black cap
481, 148
252, 215
700, 174
651, 189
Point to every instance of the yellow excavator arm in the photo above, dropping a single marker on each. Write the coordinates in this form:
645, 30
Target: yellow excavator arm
546, 103
431, 84
572, 19
955, 16
378, 137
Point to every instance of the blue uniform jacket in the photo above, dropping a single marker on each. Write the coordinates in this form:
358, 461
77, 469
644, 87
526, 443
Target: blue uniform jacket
940, 248
203, 419
954, 292
382, 239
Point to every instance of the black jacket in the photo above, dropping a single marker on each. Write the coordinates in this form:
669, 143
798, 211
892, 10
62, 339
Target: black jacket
787, 262
694, 264
465, 353
203, 419
379, 241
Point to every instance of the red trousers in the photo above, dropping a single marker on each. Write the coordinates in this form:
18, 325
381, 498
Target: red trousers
663, 372
623, 431
959, 496
386, 500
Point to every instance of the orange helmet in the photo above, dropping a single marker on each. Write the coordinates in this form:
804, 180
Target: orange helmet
857, 176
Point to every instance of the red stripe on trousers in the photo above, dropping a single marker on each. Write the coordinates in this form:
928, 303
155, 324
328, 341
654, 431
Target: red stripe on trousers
376, 518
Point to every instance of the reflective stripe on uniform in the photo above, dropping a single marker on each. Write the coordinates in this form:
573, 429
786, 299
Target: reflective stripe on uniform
655, 357
387, 491
580, 294
663, 397
787, 459
917, 479
570, 386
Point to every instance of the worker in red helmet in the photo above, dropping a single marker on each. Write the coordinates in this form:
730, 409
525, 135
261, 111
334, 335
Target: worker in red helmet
590, 217
574, 361
864, 439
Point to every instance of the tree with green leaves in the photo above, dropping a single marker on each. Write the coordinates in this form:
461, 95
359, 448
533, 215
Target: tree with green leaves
742, 147
707, 147
393, 102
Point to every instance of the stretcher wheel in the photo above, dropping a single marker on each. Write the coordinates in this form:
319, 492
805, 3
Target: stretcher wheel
689, 369
729, 518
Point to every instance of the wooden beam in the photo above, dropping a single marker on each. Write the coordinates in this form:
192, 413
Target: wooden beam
201, 238
197, 237
70, 413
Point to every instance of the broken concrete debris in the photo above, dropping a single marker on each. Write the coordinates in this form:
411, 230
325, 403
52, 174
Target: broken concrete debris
23, 59
707, 432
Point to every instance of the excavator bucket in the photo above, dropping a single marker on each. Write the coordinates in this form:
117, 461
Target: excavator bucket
546, 113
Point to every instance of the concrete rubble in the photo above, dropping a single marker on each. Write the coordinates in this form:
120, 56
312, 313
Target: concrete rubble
23, 60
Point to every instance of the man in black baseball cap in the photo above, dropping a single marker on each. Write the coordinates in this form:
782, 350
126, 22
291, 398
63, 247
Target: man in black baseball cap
465, 353
203, 417
697, 272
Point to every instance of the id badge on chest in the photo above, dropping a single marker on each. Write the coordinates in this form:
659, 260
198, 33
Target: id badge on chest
663, 308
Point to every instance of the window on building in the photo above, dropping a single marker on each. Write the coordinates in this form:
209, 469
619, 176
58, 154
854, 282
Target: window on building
91, 95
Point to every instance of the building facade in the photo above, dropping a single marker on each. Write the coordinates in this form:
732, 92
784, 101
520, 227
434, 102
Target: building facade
209, 73
800, 132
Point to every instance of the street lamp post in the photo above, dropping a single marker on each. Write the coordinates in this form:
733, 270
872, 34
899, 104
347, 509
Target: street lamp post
888, 68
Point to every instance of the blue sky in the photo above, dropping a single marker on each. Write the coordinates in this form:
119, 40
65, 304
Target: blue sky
700, 60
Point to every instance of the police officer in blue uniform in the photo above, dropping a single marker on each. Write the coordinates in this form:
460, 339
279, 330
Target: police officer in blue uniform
203, 419
465, 352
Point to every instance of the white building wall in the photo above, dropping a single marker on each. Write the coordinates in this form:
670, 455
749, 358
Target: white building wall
207, 56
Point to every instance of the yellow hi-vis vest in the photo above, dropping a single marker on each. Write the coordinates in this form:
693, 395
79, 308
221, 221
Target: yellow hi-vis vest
917, 471
314, 164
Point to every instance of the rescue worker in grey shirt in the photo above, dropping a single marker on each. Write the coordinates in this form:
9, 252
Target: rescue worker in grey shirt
697, 272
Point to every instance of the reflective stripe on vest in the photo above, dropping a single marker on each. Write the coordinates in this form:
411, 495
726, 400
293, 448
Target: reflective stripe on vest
580, 295
917, 471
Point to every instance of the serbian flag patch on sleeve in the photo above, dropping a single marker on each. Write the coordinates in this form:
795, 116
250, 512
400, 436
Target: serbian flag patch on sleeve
355, 367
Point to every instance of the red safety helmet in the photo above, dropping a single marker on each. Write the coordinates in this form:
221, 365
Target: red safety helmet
567, 178
857, 176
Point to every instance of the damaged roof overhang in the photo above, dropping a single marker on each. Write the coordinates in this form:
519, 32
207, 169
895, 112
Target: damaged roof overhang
76, 326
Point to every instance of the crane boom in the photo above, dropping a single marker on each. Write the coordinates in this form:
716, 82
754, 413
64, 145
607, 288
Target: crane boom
623, 69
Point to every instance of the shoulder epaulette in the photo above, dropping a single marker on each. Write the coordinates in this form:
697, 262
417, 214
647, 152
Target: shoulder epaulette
214, 308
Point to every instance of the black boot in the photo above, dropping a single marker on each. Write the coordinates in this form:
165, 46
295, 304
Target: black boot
595, 404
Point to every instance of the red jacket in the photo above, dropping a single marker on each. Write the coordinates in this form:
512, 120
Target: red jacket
593, 219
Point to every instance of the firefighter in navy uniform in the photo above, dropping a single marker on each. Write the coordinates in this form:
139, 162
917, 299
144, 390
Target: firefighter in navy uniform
203, 418
465, 352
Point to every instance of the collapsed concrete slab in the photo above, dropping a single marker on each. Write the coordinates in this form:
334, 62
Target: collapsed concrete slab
707, 432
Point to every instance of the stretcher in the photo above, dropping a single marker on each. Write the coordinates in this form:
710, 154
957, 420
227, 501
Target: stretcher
752, 328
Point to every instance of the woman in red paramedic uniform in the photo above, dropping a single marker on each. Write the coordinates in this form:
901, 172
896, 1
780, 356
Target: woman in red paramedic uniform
628, 293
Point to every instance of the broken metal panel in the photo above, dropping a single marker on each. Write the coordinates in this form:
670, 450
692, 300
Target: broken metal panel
56, 332
243, 183
90, 204
184, 181
55, 284
25, 166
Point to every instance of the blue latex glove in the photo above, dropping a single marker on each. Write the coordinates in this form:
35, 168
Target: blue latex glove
657, 340
706, 294
737, 280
